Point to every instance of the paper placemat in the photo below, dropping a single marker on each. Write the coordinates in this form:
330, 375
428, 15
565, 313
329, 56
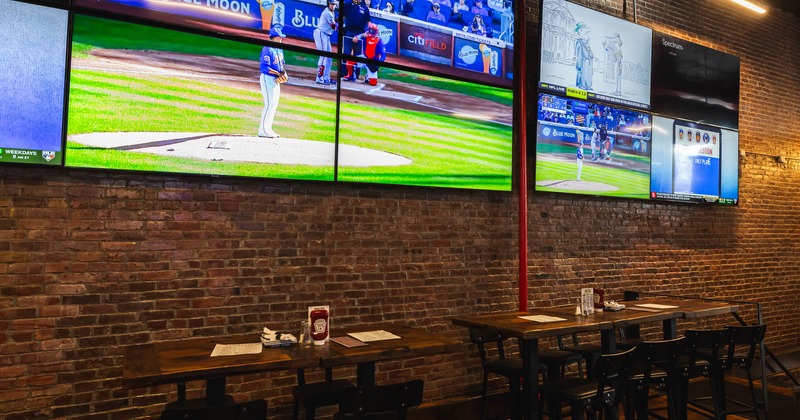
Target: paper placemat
348, 341
656, 306
236, 349
378, 335
543, 318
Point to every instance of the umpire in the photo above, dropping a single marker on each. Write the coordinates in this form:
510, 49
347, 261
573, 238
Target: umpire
356, 19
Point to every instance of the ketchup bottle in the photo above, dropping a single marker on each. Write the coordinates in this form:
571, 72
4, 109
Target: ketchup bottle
319, 326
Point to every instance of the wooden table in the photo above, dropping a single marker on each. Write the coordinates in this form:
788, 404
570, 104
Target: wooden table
187, 360
413, 342
528, 332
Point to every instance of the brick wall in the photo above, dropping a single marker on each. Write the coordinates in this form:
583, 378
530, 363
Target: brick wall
92, 261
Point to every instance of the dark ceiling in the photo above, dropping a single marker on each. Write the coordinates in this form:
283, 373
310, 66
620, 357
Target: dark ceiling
791, 6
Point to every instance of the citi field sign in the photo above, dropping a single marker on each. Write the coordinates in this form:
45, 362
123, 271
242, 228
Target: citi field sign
423, 40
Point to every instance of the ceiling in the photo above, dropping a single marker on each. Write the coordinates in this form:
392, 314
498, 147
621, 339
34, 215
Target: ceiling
791, 6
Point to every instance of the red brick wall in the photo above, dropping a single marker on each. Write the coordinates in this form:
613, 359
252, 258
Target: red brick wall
93, 261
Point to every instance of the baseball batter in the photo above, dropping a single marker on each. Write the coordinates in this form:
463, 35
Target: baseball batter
322, 38
372, 48
273, 74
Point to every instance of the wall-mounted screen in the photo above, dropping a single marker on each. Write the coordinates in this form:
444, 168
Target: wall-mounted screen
695, 82
694, 162
421, 34
414, 129
590, 55
152, 99
32, 76
589, 148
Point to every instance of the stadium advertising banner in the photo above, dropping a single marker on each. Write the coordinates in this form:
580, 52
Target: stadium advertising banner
426, 42
388, 28
586, 54
478, 54
34, 56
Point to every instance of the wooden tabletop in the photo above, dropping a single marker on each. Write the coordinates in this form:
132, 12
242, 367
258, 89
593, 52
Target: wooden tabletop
510, 323
190, 359
412, 342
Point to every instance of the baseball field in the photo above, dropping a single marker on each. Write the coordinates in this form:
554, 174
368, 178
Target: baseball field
625, 175
145, 102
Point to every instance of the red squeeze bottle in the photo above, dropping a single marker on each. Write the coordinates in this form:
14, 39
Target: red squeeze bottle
319, 326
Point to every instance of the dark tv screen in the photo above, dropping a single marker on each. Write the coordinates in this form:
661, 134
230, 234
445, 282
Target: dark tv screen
414, 129
694, 82
152, 99
592, 56
694, 162
32, 77
590, 148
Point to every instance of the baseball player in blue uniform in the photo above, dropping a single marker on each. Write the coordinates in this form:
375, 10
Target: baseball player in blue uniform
322, 39
372, 47
273, 74
579, 155
356, 19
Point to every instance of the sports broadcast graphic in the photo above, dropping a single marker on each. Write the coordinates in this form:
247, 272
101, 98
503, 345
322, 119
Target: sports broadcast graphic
593, 149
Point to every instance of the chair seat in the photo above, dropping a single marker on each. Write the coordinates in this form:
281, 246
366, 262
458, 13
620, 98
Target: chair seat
548, 356
321, 393
588, 351
571, 388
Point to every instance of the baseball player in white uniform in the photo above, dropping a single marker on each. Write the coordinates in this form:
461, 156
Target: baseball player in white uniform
322, 38
273, 74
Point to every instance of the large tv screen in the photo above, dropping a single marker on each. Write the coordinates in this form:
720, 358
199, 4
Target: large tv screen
590, 148
694, 82
593, 56
439, 36
694, 162
32, 77
413, 129
152, 99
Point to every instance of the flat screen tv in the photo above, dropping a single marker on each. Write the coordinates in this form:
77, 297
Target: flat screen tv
591, 148
694, 82
694, 162
414, 129
441, 39
151, 99
592, 56
32, 80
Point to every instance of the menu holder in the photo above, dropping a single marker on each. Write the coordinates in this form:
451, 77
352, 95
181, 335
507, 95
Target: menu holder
378, 335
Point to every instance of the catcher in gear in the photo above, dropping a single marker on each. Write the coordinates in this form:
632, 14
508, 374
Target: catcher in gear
372, 47
273, 74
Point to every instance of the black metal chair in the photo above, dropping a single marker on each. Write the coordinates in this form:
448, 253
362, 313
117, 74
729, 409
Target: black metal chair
711, 354
187, 410
654, 366
510, 368
588, 351
588, 397
380, 402
705, 358
317, 394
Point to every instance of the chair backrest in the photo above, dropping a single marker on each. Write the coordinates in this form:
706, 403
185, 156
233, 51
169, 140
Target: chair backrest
250, 410
744, 336
381, 402
662, 353
707, 346
611, 372
483, 337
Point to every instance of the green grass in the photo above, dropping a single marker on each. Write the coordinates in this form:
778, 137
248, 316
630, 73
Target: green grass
92, 32
629, 183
